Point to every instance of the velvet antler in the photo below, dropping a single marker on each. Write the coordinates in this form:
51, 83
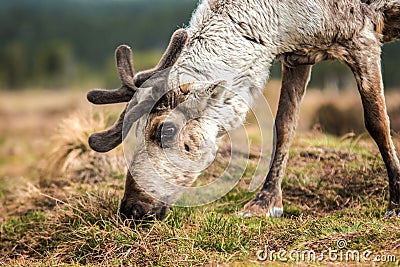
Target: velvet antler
109, 139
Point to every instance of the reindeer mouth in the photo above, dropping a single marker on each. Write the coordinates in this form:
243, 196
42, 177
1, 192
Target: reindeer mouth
142, 212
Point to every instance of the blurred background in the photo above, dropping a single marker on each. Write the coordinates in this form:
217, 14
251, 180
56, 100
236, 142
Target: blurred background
65, 44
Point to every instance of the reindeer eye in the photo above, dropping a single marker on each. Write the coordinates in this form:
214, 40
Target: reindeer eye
168, 129
166, 132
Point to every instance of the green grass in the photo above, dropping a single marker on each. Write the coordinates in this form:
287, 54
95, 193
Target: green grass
195, 237
334, 189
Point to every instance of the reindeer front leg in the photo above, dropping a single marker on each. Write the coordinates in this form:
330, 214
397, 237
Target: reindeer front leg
269, 200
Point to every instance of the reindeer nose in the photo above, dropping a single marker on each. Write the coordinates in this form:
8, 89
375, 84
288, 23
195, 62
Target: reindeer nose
138, 212
131, 211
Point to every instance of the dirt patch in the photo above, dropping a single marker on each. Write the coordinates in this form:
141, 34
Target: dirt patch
324, 154
328, 181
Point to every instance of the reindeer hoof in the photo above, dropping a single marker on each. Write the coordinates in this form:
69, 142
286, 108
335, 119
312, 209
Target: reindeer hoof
273, 213
266, 203
391, 214
245, 214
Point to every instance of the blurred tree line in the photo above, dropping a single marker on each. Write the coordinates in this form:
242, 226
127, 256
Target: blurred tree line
56, 44
47, 43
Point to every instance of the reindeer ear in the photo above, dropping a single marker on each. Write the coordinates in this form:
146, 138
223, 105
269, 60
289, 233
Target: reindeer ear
212, 91
200, 96
216, 90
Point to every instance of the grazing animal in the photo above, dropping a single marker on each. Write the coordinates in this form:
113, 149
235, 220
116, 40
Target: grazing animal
245, 36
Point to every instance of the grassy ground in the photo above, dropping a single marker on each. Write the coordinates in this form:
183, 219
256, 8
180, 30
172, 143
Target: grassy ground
60, 202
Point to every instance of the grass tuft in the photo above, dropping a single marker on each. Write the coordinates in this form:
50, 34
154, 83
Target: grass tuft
72, 157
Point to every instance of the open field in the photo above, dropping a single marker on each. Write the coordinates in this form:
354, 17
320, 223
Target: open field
60, 200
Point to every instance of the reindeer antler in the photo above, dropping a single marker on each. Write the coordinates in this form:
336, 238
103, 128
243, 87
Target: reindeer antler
126, 75
109, 139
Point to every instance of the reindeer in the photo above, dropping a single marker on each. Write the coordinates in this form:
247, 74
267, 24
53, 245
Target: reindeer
245, 36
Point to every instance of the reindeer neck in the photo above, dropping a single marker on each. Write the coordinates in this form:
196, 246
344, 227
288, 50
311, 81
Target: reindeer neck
230, 37
225, 45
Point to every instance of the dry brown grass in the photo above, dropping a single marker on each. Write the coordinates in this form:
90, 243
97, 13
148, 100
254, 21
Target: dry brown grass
45, 150
72, 158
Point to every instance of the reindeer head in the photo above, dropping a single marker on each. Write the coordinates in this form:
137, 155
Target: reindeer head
174, 142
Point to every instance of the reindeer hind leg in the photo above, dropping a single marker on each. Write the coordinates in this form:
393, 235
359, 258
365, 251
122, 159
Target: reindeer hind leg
365, 64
